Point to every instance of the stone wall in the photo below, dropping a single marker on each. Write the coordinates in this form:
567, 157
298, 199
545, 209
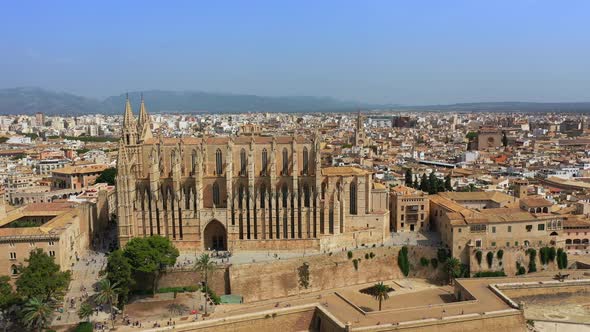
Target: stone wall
279, 278
291, 319
508, 262
267, 280
552, 288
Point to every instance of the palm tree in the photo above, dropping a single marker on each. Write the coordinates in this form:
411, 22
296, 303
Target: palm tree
36, 314
453, 268
205, 265
107, 294
85, 312
380, 293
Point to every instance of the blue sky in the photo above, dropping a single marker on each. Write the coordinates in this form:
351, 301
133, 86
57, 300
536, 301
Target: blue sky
408, 52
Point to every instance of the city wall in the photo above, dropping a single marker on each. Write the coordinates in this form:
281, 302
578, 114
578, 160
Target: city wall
280, 278
508, 261
516, 291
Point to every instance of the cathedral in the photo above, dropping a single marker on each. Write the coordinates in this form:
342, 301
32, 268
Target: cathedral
245, 192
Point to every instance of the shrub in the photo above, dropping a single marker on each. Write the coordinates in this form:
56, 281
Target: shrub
442, 254
355, 263
520, 269
551, 254
532, 260
178, 289
559, 253
478, 256
403, 262
485, 274
562, 260
214, 297
434, 263
84, 327
349, 254
543, 255
367, 256
500, 254
490, 258
424, 261
371, 254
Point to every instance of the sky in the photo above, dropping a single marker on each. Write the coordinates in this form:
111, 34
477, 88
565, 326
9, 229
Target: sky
410, 52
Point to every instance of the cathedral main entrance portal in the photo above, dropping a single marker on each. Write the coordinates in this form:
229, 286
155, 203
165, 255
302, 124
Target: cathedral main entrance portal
215, 236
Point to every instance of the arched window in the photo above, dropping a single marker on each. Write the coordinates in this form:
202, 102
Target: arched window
216, 199
13, 270
264, 161
218, 162
285, 191
323, 190
306, 195
172, 158
305, 161
262, 196
353, 198
243, 162
285, 162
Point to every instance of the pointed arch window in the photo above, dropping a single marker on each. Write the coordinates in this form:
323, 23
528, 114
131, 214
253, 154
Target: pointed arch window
264, 161
353, 207
262, 196
305, 161
285, 191
218, 162
306, 195
243, 162
285, 162
172, 158
216, 198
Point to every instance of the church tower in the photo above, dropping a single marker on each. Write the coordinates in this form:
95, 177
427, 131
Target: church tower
360, 138
129, 126
144, 126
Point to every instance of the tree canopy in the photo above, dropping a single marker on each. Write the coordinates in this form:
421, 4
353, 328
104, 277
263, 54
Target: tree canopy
109, 176
42, 278
118, 271
150, 255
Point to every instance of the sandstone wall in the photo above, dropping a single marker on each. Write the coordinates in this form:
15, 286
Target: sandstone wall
508, 262
218, 279
267, 280
556, 288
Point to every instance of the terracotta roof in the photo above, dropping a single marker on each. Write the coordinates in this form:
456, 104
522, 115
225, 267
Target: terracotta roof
344, 171
82, 169
535, 202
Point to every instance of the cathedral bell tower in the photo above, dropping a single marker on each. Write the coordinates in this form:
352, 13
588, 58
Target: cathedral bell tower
129, 133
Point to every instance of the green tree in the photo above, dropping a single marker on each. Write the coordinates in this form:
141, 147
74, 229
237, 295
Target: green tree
36, 314
409, 177
107, 294
504, 139
478, 256
7, 299
41, 278
205, 265
551, 254
151, 255
403, 262
424, 183
380, 293
432, 184
416, 182
85, 312
453, 268
471, 135
118, 270
490, 258
109, 176
448, 185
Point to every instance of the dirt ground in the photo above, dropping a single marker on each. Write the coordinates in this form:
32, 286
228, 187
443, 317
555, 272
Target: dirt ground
163, 307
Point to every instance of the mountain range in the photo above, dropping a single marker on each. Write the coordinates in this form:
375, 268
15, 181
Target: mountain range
29, 100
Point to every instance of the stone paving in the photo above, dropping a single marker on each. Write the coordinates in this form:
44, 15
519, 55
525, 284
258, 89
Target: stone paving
84, 277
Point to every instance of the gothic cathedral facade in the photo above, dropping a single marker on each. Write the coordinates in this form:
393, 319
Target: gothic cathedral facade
242, 192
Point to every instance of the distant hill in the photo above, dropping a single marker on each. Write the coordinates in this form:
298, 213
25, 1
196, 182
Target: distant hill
31, 100
508, 106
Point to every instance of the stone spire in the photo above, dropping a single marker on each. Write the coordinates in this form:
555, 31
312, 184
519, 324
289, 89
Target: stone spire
145, 124
129, 125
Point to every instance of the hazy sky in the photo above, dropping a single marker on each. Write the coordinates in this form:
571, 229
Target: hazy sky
410, 52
